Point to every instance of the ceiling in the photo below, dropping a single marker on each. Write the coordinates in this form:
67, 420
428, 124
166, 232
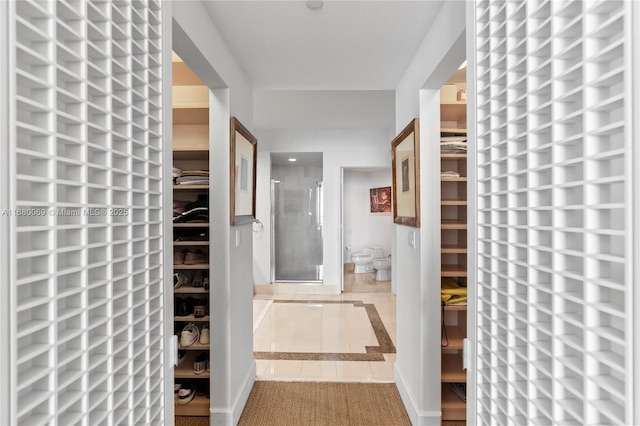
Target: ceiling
345, 45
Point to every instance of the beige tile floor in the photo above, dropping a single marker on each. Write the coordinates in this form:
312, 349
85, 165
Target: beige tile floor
310, 326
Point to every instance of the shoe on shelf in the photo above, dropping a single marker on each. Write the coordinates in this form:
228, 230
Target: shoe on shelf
200, 365
205, 335
181, 307
196, 258
182, 355
205, 283
186, 393
180, 279
200, 309
198, 279
179, 256
189, 335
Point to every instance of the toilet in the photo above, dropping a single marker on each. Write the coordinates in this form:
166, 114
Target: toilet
363, 260
383, 268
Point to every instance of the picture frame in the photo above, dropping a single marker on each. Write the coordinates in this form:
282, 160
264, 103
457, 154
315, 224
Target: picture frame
405, 169
380, 200
242, 174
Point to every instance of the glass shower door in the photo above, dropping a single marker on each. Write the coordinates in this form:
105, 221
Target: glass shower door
297, 228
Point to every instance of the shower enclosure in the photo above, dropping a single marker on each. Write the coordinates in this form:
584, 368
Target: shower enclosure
296, 217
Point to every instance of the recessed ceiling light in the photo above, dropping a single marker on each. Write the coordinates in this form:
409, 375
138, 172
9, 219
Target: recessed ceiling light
292, 159
314, 4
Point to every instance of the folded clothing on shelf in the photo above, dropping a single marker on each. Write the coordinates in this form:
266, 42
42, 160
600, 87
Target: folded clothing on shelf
194, 211
190, 177
451, 293
198, 214
453, 144
449, 174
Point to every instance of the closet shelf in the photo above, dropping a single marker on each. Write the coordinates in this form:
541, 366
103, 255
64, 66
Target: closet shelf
455, 307
453, 408
190, 187
455, 335
452, 371
447, 248
453, 156
453, 130
198, 407
191, 243
453, 179
191, 318
199, 266
191, 225
454, 202
454, 271
453, 224
195, 347
185, 369
190, 290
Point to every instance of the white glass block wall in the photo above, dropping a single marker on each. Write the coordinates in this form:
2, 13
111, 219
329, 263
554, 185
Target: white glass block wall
554, 263
85, 267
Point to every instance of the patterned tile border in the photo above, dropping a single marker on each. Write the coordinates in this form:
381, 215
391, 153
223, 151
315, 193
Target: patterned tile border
373, 353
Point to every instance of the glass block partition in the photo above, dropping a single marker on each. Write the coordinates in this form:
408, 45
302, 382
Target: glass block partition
554, 221
86, 275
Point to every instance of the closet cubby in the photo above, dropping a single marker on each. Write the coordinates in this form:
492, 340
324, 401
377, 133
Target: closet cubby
453, 252
191, 153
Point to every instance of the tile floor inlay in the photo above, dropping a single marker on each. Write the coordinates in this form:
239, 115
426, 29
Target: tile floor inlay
372, 352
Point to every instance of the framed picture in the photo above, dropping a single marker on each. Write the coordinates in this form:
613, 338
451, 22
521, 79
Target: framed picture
405, 165
380, 199
243, 155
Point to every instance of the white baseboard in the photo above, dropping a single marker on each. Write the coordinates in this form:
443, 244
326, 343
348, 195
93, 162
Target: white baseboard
232, 416
417, 416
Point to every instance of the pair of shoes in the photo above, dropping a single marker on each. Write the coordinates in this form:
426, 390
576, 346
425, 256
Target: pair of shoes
189, 335
188, 306
205, 335
201, 363
186, 393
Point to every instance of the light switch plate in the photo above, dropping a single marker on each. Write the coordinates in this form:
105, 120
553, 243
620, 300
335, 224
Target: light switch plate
237, 238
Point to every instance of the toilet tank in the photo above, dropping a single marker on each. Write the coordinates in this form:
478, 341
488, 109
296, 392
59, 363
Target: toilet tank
376, 251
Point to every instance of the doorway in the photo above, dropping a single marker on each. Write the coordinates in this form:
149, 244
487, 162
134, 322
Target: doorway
366, 225
296, 217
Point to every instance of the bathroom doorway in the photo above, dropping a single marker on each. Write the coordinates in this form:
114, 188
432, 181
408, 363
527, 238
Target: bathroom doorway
297, 217
366, 225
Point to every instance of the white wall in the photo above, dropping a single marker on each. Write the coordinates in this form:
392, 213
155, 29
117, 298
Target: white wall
361, 227
199, 44
340, 148
416, 271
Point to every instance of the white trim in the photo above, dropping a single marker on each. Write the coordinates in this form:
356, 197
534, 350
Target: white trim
472, 215
416, 416
6, 400
232, 415
635, 208
167, 216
